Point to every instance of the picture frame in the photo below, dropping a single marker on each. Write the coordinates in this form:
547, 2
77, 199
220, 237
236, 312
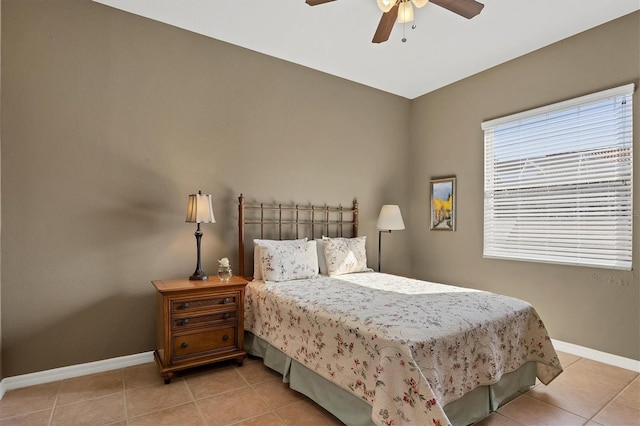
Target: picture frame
443, 204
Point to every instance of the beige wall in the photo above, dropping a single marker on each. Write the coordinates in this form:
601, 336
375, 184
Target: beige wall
596, 308
110, 120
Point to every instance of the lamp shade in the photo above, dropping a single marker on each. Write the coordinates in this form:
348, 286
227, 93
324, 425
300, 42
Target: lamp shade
420, 3
200, 209
386, 5
390, 218
405, 12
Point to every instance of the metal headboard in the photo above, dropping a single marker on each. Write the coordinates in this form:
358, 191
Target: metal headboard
278, 222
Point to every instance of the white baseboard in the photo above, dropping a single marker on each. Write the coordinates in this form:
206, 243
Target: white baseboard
606, 358
71, 371
61, 373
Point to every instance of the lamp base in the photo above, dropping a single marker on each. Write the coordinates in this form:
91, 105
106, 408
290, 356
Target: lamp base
198, 276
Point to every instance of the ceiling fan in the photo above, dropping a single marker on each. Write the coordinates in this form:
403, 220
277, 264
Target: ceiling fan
402, 12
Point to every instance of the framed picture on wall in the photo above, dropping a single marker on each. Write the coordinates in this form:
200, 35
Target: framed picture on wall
443, 204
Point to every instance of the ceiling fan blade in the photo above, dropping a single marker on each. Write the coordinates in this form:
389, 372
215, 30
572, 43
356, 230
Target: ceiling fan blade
386, 25
317, 2
466, 8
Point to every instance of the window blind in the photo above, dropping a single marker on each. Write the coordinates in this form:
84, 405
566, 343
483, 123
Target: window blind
559, 182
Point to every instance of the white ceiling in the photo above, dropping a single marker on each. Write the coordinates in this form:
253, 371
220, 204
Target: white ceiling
336, 37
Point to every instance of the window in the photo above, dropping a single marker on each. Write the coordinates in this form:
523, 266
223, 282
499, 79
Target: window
558, 182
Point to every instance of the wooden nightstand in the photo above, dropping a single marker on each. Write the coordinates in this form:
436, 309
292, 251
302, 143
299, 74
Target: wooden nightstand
198, 322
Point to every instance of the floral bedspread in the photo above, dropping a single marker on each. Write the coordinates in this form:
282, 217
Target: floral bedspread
404, 346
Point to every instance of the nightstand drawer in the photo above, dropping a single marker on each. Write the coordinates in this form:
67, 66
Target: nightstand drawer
185, 305
204, 343
204, 320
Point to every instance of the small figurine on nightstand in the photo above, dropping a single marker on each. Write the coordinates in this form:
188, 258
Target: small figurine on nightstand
224, 270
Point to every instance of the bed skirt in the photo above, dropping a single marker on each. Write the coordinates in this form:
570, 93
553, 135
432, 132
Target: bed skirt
353, 411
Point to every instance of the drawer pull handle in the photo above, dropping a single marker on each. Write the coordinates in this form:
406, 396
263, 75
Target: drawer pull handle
185, 321
185, 305
226, 300
225, 316
184, 345
225, 337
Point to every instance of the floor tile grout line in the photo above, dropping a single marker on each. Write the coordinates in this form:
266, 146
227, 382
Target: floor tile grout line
247, 385
194, 401
508, 417
55, 403
604, 406
251, 418
551, 405
168, 407
241, 376
164, 407
93, 398
608, 403
124, 390
587, 419
273, 410
504, 415
251, 385
124, 397
19, 415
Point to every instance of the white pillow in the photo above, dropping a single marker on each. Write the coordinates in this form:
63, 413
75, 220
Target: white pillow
257, 262
285, 261
345, 255
322, 263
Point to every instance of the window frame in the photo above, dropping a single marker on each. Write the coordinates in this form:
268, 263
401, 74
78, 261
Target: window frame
521, 173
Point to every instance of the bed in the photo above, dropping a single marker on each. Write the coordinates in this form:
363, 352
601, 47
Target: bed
375, 348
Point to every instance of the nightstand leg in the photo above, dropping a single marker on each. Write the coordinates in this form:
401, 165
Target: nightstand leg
240, 361
167, 378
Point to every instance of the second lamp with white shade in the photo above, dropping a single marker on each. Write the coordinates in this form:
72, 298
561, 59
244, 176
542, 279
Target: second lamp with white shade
390, 219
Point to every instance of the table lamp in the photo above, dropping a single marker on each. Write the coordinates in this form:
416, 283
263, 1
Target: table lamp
199, 210
390, 219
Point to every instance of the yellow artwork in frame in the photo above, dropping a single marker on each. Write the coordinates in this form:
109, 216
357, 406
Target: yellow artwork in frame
443, 204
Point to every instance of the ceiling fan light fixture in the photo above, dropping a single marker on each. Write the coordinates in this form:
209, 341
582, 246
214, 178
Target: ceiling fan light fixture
420, 3
386, 5
405, 12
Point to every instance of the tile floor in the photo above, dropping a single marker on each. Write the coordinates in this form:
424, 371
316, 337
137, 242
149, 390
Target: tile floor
587, 393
